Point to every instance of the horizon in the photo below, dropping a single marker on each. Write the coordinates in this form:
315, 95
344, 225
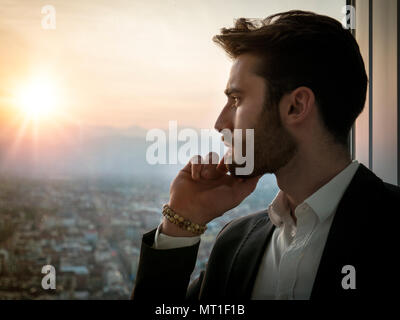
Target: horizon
112, 71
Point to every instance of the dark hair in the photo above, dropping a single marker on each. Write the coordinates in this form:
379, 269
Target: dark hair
300, 48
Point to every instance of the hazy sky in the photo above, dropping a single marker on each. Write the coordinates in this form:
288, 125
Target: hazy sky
125, 62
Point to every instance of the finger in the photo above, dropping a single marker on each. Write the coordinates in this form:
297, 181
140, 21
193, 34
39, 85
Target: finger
221, 166
209, 170
211, 158
196, 167
187, 168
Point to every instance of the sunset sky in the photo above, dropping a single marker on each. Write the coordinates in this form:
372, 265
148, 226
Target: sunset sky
123, 62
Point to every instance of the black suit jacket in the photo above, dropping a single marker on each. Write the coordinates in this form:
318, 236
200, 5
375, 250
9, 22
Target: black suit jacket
361, 235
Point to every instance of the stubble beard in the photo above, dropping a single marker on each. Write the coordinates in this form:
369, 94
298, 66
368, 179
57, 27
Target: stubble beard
274, 146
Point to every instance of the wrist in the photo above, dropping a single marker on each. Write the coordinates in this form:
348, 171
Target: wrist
182, 222
170, 229
188, 212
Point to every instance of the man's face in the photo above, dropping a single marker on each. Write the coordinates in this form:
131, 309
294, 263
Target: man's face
248, 108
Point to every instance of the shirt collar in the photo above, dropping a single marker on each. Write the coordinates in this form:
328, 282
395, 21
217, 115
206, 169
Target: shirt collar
323, 202
278, 210
326, 199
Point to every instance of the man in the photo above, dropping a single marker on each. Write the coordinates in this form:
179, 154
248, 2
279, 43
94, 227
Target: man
299, 80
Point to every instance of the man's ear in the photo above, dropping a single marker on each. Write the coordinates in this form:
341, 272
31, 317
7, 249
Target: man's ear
300, 103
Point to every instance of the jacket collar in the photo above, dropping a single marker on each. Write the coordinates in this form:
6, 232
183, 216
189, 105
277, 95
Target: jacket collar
248, 258
346, 238
323, 202
341, 247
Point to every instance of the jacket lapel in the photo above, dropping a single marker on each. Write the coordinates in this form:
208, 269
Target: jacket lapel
345, 242
247, 260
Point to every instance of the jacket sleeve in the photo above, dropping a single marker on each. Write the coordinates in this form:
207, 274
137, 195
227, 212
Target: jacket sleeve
165, 274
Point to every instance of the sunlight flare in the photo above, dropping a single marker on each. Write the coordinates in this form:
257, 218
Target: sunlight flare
37, 99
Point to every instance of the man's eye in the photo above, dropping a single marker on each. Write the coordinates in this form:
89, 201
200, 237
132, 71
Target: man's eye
236, 99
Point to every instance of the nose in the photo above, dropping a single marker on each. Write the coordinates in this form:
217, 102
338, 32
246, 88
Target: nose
224, 120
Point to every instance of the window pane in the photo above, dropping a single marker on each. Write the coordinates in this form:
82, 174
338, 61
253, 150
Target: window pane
81, 85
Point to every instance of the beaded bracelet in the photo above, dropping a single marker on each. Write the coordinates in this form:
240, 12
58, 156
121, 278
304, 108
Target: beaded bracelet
181, 222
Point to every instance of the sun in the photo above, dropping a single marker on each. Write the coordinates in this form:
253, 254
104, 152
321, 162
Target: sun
37, 99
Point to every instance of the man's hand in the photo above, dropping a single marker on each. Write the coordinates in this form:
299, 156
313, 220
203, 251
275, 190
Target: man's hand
204, 191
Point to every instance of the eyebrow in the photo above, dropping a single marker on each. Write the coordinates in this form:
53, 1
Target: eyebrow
228, 92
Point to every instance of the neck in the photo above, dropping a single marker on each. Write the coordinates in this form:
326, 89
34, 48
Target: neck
308, 171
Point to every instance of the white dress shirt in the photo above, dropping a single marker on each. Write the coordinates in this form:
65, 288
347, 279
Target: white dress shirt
162, 241
292, 256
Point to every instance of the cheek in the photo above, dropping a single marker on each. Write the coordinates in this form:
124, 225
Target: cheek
247, 116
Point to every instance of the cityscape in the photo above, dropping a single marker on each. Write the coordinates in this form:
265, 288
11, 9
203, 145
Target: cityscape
90, 230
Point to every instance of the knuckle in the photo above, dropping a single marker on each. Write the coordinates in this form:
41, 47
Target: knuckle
196, 159
212, 158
